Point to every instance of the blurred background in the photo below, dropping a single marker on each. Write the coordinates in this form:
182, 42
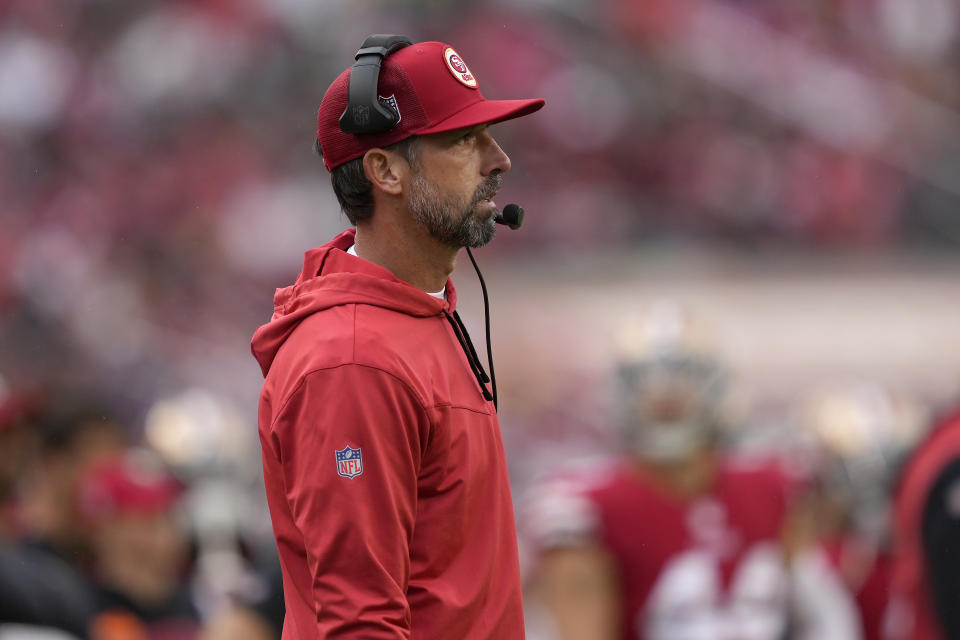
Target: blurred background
786, 171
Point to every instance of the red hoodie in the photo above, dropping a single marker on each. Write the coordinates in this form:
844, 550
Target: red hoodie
383, 462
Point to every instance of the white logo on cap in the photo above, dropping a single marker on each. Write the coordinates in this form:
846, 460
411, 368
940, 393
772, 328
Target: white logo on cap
391, 103
459, 68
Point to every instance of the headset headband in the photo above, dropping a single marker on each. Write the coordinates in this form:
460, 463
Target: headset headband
365, 113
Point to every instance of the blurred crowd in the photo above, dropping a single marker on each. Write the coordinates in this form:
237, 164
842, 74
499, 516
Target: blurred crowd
108, 536
158, 180
157, 173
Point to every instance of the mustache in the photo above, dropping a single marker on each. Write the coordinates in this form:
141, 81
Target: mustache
488, 188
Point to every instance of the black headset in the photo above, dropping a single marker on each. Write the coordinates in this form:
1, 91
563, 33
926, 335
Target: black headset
366, 112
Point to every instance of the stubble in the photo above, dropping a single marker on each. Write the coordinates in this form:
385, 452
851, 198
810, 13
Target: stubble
450, 219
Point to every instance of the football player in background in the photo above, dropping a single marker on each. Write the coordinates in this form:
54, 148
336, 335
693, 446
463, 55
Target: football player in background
673, 539
861, 433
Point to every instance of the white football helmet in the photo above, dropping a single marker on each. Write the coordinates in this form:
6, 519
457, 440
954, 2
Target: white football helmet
670, 391
861, 433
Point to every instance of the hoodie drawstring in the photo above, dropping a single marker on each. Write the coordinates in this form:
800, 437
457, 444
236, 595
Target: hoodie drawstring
468, 349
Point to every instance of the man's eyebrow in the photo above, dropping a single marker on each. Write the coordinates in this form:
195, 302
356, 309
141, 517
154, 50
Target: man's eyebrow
477, 128
456, 134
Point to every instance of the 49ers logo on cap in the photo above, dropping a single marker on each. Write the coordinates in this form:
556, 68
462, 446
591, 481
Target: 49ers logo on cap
459, 68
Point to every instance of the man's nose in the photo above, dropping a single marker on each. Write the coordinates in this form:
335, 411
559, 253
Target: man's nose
494, 159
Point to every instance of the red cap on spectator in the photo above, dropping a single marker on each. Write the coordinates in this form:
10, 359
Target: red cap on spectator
17, 407
434, 91
135, 482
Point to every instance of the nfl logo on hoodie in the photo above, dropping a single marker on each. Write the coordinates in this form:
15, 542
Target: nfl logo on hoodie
349, 462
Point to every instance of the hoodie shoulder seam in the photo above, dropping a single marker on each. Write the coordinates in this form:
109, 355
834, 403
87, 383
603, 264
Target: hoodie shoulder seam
303, 380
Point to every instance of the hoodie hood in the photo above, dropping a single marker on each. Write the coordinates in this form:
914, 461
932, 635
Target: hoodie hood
332, 277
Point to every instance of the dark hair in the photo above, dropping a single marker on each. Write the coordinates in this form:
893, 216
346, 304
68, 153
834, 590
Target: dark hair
71, 416
354, 192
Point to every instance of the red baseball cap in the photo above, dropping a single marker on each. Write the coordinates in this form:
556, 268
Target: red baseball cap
134, 482
17, 407
433, 90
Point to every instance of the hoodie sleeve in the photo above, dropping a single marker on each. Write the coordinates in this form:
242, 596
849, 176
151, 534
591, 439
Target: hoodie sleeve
354, 509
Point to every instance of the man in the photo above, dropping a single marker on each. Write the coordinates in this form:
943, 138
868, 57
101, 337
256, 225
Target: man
673, 540
382, 453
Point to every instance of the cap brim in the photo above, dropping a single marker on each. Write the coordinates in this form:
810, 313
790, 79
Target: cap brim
485, 112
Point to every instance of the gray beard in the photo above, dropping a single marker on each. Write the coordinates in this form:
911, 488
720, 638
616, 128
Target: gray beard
449, 219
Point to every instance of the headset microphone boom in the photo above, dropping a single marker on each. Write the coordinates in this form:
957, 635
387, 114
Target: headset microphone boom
512, 216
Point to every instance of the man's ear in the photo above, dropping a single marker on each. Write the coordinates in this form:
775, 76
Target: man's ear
384, 170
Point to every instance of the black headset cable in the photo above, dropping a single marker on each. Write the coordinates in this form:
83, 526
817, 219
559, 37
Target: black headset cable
470, 353
486, 319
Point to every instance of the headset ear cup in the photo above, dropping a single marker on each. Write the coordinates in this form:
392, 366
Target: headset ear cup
365, 113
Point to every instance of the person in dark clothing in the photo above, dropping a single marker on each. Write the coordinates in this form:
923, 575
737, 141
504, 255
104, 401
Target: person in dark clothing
139, 549
76, 431
40, 589
926, 579
44, 558
941, 545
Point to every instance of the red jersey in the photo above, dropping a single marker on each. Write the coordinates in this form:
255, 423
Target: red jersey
383, 463
707, 567
867, 572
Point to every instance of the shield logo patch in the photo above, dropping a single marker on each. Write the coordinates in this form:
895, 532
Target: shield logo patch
349, 462
391, 104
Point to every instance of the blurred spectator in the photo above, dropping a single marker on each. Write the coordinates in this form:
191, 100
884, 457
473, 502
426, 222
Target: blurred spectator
139, 551
676, 539
43, 593
42, 581
18, 445
210, 445
76, 432
255, 616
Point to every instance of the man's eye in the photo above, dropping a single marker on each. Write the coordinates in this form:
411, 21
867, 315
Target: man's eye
465, 137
